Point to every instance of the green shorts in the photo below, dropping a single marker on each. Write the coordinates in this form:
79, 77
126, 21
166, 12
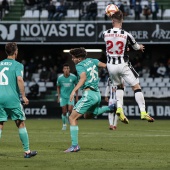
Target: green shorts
66, 101
89, 102
13, 113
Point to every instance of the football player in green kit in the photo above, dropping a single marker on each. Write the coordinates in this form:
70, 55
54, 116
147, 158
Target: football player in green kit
65, 84
11, 86
87, 70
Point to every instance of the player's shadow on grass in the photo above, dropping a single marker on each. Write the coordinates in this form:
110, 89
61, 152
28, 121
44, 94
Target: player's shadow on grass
3, 155
97, 149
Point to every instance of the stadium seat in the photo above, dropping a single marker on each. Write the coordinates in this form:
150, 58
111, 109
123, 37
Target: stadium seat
44, 14
25, 84
152, 84
76, 12
129, 92
36, 15
166, 13
31, 83
41, 84
144, 84
101, 8
42, 89
158, 80
161, 84
159, 14
147, 92
141, 79
166, 80
27, 15
149, 80
27, 90
36, 76
49, 84
72, 13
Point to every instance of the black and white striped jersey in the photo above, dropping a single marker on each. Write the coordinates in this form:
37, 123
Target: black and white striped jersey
110, 90
116, 40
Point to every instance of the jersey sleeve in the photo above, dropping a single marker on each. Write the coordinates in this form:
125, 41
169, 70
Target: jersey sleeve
96, 61
19, 70
133, 42
80, 69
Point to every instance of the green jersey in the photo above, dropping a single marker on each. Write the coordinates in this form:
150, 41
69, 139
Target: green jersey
90, 67
66, 84
9, 90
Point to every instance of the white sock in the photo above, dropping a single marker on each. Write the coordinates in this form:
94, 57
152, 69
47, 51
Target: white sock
110, 117
115, 120
119, 97
140, 100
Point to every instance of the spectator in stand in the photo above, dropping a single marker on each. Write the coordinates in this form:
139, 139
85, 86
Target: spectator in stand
168, 68
132, 3
92, 11
51, 10
53, 75
146, 12
145, 72
32, 66
161, 71
27, 74
34, 90
138, 68
137, 10
44, 75
120, 6
153, 70
61, 11
39, 68
126, 9
30, 4
5, 6
154, 9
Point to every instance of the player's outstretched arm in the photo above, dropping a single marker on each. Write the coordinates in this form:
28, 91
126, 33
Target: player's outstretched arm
101, 64
142, 48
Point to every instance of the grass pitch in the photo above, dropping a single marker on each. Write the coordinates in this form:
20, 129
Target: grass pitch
139, 145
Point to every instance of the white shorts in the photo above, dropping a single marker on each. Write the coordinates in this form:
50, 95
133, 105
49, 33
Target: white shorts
120, 73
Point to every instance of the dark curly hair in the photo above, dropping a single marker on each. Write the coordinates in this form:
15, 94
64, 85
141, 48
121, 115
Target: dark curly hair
78, 52
10, 48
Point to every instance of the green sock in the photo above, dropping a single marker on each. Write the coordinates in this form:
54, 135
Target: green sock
67, 117
0, 132
74, 135
104, 109
24, 138
63, 119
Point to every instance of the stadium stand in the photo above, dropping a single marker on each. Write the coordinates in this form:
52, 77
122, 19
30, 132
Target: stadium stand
18, 7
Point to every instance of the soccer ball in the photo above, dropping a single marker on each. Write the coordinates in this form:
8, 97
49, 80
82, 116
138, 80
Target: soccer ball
111, 9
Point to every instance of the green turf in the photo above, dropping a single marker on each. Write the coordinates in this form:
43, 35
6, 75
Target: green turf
139, 145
